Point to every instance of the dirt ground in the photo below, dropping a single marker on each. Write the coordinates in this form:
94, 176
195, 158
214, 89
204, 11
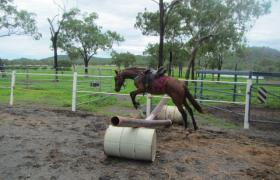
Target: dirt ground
41, 143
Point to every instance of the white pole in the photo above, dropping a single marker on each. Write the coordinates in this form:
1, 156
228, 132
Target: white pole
74, 91
13, 80
157, 108
248, 102
149, 104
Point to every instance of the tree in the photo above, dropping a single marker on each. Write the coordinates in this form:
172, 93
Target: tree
126, 59
1, 63
203, 21
2, 69
16, 22
216, 50
73, 55
156, 24
81, 33
217, 21
152, 52
55, 27
178, 54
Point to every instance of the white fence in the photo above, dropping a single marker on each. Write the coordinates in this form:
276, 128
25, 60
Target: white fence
76, 90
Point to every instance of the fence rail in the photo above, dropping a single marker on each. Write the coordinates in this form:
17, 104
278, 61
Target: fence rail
75, 80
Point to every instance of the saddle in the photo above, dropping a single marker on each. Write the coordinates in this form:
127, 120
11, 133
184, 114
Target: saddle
150, 75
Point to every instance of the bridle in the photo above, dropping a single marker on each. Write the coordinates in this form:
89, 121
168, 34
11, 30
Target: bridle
119, 78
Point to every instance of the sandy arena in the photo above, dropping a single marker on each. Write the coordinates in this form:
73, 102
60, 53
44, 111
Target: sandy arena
40, 143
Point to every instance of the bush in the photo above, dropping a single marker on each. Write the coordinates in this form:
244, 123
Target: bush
64, 65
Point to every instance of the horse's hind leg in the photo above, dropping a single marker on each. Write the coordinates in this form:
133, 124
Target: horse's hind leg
177, 100
189, 109
183, 113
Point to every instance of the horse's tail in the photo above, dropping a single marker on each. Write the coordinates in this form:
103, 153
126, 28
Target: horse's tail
192, 100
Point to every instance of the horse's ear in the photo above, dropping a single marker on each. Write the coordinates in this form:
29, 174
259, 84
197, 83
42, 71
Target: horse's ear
117, 72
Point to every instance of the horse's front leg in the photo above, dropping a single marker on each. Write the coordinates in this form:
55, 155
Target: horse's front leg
133, 95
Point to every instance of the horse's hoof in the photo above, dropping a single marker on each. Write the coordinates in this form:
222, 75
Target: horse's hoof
188, 132
136, 105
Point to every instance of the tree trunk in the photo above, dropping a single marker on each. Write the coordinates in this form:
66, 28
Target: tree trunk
161, 34
193, 65
180, 70
195, 48
170, 63
86, 66
54, 41
191, 62
74, 67
220, 64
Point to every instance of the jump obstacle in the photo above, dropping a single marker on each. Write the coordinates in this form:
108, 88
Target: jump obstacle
170, 112
132, 138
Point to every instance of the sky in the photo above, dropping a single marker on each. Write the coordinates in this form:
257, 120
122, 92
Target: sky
118, 16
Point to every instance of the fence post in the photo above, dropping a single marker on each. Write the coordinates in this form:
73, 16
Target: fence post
195, 89
74, 91
201, 86
27, 78
234, 88
13, 81
99, 79
158, 108
248, 103
149, 105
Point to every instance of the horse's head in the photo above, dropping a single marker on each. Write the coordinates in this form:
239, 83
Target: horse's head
119, 80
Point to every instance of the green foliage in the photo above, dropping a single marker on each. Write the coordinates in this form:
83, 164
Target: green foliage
64, 63
16, 22
207, 26
79, 32
177, 52
1, 63
227, 21
126, 59
148, 22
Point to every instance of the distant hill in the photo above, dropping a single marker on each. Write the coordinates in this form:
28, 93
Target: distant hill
94, 60
254, 59
49, 61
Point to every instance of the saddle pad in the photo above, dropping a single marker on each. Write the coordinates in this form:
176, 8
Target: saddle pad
158, 84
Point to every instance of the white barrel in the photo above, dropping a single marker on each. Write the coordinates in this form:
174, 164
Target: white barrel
132, 143
172, 113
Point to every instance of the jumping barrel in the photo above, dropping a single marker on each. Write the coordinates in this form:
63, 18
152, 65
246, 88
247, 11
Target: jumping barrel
172, 113
132, 143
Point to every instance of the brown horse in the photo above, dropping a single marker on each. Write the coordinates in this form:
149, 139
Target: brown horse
162, 85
